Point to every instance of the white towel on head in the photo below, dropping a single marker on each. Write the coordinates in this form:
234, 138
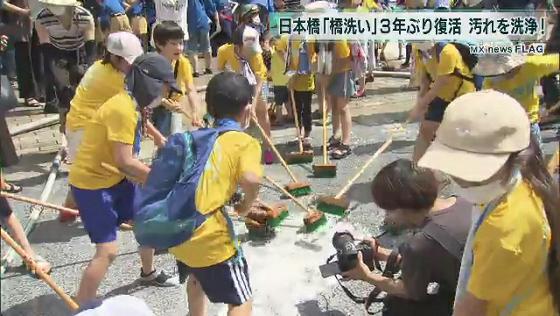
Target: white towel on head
120, 305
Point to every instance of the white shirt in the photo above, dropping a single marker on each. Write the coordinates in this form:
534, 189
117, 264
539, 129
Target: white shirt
173, 10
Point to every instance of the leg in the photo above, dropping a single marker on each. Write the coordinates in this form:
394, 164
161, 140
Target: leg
298, 96
105, 254
241, 310
204, 47
196, 298
306, 112
147, 259
24, 72
192, 51
335, 115
345, 119
262, 116
425, 136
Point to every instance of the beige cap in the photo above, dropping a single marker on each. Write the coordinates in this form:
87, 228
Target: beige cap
497, 64
65, 3
478, 133
125, 45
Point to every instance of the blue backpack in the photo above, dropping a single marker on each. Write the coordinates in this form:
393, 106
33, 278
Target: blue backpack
165, 210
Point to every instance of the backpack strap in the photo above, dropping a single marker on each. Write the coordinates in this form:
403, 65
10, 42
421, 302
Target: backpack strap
444, 238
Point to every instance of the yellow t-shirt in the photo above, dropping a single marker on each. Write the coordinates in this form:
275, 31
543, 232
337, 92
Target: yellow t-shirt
115, 121
449, 60
184, 73
521, 86
510, 256
234, 154
277, 67
99, 84
425, 66
301, 82
342, 59
227, 56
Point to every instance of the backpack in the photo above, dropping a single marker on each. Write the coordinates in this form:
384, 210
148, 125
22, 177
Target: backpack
166, 214
469, 59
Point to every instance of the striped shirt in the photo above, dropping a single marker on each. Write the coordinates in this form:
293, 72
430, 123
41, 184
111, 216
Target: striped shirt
62, 38
172, 10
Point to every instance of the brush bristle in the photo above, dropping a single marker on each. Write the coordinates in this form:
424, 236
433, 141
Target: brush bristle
275, 222
299, 158
324, 171
303, 191
331, 209
309, 228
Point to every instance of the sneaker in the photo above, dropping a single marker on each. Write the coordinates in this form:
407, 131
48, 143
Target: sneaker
405, 65
50, 108
268, 157
208, 71
195, 74
160, 279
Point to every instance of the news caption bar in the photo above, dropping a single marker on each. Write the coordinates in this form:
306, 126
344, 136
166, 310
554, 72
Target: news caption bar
411, 26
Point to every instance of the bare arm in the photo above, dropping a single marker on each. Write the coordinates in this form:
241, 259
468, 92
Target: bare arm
125, 161
159, 139
469, 305
249, 183
389, 285
15, 9
194, 101
42, 33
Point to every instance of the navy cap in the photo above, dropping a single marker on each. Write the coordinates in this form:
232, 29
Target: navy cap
155, 66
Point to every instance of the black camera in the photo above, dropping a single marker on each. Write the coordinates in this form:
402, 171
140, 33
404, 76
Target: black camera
347, 255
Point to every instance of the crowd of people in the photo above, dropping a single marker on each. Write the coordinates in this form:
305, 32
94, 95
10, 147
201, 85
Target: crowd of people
479, 128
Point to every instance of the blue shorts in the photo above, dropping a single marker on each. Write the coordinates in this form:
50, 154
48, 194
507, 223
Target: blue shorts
198, 42
342, 85
226, 282
436, 109
103, 210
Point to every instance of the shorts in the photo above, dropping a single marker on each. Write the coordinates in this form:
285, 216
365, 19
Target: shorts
198, 42
119, 23
103, 210
74, 139
139, 25
342, 85
436, 109
226, 282
5, 208
281, 95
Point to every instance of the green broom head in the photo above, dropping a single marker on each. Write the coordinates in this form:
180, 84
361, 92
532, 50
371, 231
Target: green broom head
303, 157
298, 189
324, 171
275, 222
264, 232
314, 221
332, 205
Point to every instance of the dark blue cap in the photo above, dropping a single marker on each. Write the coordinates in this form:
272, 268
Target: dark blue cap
155, 66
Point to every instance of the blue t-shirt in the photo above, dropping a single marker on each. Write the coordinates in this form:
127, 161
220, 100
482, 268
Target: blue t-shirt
137, 8
110, 7
198, 12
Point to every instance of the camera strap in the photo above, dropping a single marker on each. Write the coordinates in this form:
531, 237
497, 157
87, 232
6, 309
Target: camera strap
391, 268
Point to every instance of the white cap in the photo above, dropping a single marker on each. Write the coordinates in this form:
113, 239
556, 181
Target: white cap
120, 305
125, 45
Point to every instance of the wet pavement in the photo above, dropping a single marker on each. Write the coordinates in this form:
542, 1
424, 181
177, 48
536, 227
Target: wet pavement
284, 271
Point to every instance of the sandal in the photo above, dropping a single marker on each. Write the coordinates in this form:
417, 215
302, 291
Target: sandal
31, 102
342, 151
11, 188
307, 143
333, 143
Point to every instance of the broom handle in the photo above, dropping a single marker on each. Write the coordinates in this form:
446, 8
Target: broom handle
364, 167
279, 187
554, 161
296, 116
45, 277
37, 202
324, 101
269, 141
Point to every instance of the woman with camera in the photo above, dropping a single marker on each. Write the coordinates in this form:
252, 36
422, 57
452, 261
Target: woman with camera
409, 195
511, 262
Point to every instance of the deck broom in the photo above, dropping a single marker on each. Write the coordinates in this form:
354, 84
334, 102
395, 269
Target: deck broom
313, 220
338, 204
303, 156
325, 170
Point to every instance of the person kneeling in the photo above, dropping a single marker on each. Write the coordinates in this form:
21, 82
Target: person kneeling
432, 255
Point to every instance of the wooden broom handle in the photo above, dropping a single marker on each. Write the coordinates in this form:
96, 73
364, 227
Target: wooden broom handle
40, 203
279, 187
269, 141
553, 162
364, 167
296, 115
45, 277
324, 100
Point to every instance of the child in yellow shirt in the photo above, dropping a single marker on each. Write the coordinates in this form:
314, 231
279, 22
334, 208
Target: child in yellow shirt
279, 81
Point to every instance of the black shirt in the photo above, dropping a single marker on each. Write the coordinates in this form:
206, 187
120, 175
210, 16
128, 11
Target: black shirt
425, 260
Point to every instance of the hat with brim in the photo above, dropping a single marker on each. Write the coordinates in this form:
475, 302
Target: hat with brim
496, 65
320, 7
478, 133
62, 3
248, 9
